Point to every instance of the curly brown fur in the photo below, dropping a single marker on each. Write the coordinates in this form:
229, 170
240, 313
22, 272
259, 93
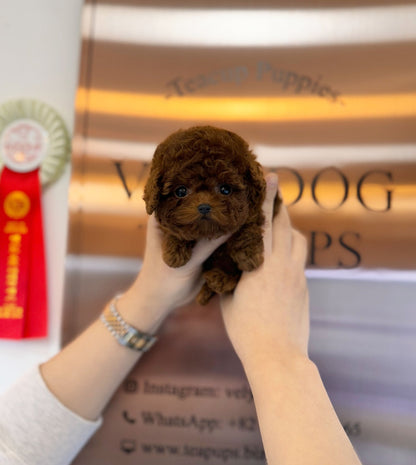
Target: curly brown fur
205, 182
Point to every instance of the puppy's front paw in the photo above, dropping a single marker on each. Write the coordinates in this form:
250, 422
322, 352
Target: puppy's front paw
248, 260
176, 253
246, 248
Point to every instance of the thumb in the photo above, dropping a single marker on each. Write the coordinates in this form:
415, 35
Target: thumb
204, 248
153, 234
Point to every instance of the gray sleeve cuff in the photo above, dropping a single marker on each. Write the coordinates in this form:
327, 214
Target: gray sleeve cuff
37, 428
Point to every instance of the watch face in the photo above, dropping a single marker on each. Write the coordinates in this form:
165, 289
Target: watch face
23, 145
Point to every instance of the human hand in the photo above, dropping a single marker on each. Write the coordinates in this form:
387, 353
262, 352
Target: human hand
159, 288
268, 313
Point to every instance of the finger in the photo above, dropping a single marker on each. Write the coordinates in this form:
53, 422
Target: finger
204, 248
282, 231
199, 282
153, 234
271, 190
299, 247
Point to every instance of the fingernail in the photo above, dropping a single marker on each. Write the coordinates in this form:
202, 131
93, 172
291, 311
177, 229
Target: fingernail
272, 180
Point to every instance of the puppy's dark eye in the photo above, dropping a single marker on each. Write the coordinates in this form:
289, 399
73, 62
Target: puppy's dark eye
225, 189
181, 192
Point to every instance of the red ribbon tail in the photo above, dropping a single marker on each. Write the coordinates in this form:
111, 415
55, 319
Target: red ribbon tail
36, 320
23, 291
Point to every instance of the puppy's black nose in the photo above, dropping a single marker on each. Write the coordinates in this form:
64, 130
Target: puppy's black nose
204, 208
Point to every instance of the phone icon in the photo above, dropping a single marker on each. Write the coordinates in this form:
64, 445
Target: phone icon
128, 418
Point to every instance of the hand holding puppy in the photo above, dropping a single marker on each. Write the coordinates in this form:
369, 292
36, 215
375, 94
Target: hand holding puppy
267, 320
269, 310
158, 288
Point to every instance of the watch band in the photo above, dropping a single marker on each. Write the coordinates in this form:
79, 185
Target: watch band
125, 334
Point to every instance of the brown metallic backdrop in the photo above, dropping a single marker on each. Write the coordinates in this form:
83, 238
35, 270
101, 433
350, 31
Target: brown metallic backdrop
336, 120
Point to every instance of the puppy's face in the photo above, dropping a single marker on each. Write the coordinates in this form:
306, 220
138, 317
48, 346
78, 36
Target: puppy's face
205, 199
204, 182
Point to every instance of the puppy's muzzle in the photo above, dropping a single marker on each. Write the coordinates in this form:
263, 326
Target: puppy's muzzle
204, 208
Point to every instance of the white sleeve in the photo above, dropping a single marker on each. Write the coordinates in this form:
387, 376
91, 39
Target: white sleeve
36, 428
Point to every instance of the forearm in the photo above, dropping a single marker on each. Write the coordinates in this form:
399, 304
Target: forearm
297, 421
95, 362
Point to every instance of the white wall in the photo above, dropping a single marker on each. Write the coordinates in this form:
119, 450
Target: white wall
39, 55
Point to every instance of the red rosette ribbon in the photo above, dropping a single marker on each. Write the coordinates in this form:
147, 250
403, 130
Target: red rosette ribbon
23, 289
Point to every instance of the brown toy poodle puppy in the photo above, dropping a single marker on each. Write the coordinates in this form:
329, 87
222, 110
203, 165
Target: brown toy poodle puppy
205, 182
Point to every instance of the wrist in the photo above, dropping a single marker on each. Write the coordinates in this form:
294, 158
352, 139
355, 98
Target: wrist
140, 311
126, 334
258, 366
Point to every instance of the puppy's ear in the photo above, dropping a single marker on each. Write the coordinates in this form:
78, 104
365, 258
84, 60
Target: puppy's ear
256, 186
152, 188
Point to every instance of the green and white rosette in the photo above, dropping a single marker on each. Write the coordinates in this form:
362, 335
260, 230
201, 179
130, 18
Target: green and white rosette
33, 134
